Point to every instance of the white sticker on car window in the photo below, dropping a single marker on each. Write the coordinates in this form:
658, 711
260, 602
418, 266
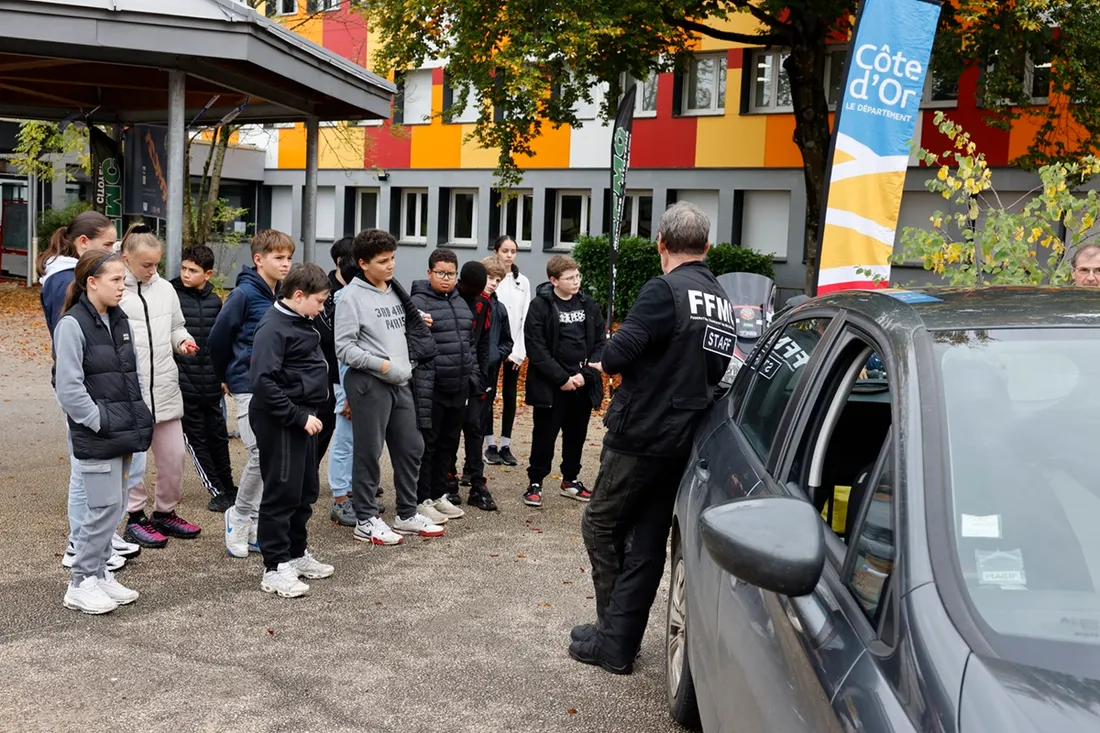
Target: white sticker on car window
1002, 568
974, 525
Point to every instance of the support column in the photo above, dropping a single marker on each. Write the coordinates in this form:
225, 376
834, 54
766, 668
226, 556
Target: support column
309, 193
32, 220
177, 185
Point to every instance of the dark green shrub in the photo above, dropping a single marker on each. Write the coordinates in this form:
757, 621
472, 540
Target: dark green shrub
639, 261
50, 220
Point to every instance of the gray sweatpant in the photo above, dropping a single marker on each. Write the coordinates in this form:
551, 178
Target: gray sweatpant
105, 487
382, 413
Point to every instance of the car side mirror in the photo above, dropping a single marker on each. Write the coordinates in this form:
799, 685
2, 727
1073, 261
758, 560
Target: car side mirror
773, 542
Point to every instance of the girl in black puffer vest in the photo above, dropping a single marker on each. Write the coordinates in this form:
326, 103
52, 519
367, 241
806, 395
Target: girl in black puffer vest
98, 388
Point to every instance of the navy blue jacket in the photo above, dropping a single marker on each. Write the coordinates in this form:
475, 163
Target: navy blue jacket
231, 337
53, 297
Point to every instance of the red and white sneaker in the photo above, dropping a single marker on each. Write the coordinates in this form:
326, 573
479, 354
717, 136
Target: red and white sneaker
418, 524
376, 532
575, 490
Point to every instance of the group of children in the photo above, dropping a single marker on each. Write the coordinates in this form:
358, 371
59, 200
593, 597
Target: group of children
349, 358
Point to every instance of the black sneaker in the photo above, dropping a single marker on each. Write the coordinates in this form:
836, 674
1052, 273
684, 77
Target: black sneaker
221, 502
507, 458
582, 632
492, 456
482, 499
533, 495
467, 477
454, 498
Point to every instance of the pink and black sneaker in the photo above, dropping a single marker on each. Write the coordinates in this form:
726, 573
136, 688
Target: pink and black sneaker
142, 532
173, 525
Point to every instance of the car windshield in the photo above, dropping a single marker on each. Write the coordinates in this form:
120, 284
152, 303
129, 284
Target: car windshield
1022, 429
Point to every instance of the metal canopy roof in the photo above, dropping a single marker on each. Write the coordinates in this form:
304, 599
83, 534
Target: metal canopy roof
61, 57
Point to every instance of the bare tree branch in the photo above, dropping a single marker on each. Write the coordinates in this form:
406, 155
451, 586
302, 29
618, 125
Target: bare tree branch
770, 39
769, 20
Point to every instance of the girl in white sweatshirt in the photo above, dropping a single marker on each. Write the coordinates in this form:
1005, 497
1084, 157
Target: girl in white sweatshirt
515, 293
160, 332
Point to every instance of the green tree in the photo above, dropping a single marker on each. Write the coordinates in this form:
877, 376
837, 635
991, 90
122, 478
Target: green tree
38, 142
985, 240
529, 62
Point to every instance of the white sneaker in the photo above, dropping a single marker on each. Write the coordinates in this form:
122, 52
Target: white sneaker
253, 534
283, 581
114, 562
446, 508
376, 532
427, 508
123, 548
308, 566
89, 597
236, 533
117, 592
417, 524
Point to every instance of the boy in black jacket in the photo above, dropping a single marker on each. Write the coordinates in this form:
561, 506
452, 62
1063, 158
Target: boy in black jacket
564, 331
203, 424
454, 378
290, 386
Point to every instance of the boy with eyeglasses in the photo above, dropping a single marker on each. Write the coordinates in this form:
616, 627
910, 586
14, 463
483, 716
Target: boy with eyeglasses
564, 332
446, 383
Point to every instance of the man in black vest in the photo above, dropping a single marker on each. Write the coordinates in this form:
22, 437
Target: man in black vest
671, 351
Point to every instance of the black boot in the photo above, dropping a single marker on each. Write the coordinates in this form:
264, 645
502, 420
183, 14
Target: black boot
593, 651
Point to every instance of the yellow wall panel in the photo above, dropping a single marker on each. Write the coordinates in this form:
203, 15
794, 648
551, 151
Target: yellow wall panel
732, 140
736, 23
341, 147
309, 27
475, 156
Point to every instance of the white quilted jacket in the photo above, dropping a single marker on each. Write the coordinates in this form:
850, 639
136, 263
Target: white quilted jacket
154, 309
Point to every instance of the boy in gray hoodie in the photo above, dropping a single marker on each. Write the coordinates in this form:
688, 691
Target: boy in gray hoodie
381, 337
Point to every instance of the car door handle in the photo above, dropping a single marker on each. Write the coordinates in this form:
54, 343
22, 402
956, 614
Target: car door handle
702, 472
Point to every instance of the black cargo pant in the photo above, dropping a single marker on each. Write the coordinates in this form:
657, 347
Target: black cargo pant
569, 416
207, 442
625, 528
327, 416
288, 465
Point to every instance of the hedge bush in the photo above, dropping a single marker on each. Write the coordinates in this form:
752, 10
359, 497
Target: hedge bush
50, 220
639, 261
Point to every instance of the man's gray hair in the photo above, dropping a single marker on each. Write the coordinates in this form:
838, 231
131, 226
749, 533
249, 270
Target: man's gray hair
685, 229
1085, 249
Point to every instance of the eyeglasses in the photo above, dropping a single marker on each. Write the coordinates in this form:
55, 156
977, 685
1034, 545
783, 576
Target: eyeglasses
1094, 271
443, 275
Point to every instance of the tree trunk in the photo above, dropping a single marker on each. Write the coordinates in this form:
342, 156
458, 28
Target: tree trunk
806, 71
188, 211
220, 144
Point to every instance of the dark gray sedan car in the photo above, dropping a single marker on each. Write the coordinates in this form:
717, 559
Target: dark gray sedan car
891, 522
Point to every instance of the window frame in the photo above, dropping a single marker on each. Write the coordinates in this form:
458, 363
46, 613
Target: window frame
329, 6
926, 101
1029, 79
721, 80
404, 94
454, 194
359, 194
586, 211
640, 112
520, 195
421, 200
834, 54
280, 6
635, 197
886, 461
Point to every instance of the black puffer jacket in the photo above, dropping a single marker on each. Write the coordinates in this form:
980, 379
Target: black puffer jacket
545, 375
455, 368
422, 353
198, 380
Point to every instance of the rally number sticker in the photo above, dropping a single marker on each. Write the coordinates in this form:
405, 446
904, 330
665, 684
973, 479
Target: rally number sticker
717, 341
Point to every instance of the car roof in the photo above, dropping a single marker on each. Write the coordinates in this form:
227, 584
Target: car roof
936, 309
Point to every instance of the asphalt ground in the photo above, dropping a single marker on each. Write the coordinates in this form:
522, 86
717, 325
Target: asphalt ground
463, 633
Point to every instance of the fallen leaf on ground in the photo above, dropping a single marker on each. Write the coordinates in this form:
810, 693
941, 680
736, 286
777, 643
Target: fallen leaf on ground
521, 556
544, 604
270, 631
572, 711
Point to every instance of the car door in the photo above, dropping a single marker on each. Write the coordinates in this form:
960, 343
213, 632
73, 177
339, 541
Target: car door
734, 465
803, 650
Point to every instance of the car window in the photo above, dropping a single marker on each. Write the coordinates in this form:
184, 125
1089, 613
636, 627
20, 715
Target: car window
775, 377
873, 541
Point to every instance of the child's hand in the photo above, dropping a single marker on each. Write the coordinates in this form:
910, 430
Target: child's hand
386, 366
313, 425
346, 412
578, 380
427, 318
189, 347
597, 366
569, 386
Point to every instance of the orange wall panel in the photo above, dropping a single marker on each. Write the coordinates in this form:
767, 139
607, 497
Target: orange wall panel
292, 147
436, 145
551, 149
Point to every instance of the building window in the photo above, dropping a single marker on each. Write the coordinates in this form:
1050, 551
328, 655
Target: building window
516, 218
470, 113
330, 5
637, 215
771, 89
286, 7
414, 216
368, 210
463, 217
284, 125
591, 110
645, 104
705, 85
416, 97
365, 123
940, 91
572, 218
328, 123
1037, 76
